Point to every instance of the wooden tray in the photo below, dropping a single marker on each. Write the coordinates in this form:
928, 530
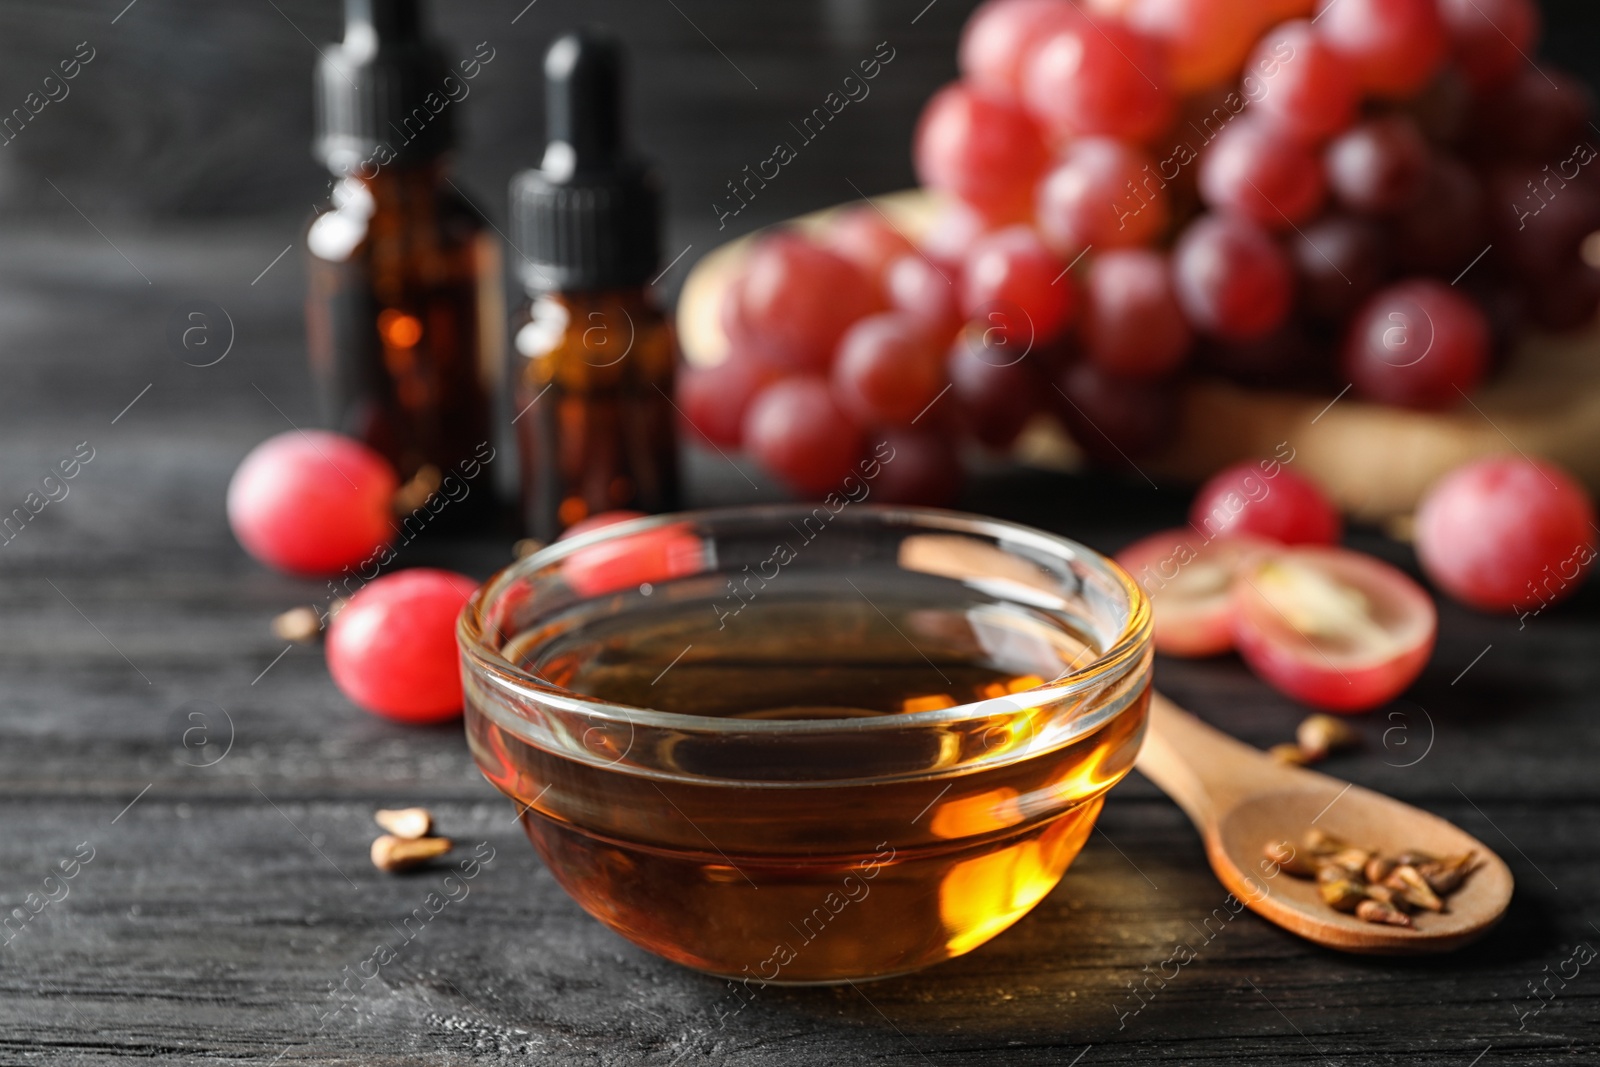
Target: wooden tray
1376, 461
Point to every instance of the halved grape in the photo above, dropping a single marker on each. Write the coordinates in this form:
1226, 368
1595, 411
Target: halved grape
1332, 628
1189, 579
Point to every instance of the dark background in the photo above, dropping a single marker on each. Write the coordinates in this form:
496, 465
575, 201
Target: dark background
230, 885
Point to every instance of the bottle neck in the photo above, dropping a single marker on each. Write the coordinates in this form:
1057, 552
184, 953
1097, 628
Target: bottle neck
638, 297
395, 184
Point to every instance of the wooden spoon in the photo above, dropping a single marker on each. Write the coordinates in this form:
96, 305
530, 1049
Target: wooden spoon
1240, 799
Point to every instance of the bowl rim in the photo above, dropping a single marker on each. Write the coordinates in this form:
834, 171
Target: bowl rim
1123, 654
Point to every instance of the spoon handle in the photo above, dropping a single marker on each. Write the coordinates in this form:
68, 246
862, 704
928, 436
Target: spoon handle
1201, 768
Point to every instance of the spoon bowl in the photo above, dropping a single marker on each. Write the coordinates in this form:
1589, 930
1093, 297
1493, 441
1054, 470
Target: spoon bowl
1241, 800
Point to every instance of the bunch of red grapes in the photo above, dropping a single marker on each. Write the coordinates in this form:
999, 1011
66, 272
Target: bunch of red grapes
1286, 193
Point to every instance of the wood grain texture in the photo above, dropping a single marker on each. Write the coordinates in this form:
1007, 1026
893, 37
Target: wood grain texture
215, 916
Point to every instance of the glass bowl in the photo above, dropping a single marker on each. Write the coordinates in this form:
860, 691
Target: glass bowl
808, 744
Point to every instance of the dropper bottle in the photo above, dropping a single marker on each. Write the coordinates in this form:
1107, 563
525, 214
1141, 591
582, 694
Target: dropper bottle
404, 312
594, 355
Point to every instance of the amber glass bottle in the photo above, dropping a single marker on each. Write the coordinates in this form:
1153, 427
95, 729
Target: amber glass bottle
594, 355
404, 313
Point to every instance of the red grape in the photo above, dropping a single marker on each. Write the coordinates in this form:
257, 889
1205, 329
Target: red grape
888, 369
796, 430
1332, 628
1268, 500
1098, 77
1189, 580
713, 399
1540, 218
1232, 280
1538, 116
955, 228
1205, 41
628, 561
1261, 174
794, 300
1103, 193
1506, 533
918, 287
1016, 285
1307, 89
922, 468
1446, 227
1115, 420
1133, 324
864, 237
1394, 46
999, 36
984, 150
312, 502
1418, 343
997, 390
1340, 262
599, 520
1379, 166
392, 647
1491, 39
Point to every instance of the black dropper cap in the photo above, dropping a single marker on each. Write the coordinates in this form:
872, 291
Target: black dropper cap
372, 87
589, 217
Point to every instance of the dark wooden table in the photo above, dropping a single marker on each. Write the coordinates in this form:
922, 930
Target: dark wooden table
224, 789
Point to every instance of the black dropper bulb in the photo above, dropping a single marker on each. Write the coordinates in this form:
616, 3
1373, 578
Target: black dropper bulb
582, 101
589, 217
389, 20
371, 90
